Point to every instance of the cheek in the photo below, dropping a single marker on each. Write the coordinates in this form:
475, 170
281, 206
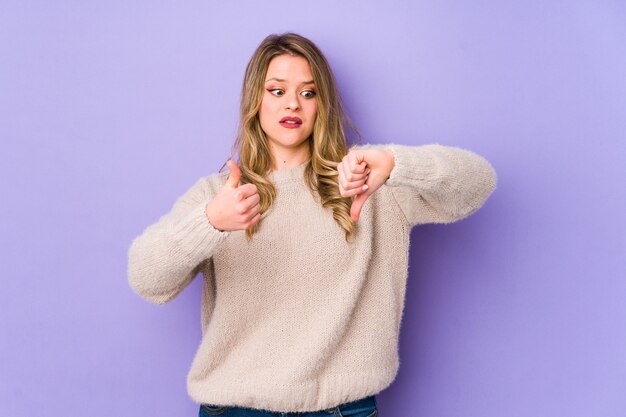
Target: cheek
264, 113
313, 113
311, 110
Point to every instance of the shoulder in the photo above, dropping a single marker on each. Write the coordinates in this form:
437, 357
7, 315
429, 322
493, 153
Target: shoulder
207, 186
216, 180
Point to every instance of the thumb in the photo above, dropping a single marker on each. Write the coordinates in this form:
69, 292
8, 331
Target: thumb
235, 174
357, 205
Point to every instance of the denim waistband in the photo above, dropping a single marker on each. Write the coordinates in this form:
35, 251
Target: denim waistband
366, 401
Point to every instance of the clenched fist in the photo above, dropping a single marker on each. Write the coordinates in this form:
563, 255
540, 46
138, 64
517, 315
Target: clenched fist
361, 172
234, 207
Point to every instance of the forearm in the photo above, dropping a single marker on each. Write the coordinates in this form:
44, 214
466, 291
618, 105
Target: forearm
164, 258
435, 183
453, 180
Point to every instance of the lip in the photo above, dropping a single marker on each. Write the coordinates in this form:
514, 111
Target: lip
290, 122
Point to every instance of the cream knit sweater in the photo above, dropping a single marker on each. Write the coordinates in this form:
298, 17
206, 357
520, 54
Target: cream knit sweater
298, 319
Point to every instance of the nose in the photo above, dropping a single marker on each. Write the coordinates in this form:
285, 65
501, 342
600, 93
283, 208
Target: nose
293, 103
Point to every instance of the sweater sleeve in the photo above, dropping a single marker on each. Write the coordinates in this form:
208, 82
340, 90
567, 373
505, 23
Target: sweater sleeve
166, 257
438, 184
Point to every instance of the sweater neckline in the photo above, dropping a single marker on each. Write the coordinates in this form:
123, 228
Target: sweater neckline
289, 174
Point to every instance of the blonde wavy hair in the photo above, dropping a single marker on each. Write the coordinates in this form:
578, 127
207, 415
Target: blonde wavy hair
327, 144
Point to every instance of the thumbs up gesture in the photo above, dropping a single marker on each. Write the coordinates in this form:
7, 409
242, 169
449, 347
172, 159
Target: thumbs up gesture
361, 172
234, 207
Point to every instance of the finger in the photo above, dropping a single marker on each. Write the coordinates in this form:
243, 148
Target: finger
247, 190
253, 212
349, 188
340, 177
244, 192
358, 177
354, 173
245, 216
354, 182
234, 176
357, 162
347, 173
346, 185
357, 205
355, 191
248, 204
244, 205
253, 200
255, 220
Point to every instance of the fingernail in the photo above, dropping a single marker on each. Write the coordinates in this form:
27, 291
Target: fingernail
365, 187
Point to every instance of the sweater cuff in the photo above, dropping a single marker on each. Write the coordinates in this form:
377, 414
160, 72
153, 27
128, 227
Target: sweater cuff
194, 237
411, 164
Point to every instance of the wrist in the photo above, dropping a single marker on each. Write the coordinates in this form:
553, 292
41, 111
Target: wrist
208, 215
390, 162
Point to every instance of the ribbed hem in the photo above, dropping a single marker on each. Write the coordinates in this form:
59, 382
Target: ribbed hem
305, 397
195, 237
413, 164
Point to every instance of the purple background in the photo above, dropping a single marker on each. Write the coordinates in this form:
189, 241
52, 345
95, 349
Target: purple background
111, 110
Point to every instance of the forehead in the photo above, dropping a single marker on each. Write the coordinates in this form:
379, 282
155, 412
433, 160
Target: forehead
289, 68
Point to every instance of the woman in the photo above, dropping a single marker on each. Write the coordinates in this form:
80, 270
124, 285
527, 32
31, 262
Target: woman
303, 246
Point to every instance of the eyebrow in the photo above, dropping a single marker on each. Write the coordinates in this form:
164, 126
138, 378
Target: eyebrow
281, 80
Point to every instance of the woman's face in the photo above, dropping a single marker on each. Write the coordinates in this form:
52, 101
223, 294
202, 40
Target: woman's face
289, 106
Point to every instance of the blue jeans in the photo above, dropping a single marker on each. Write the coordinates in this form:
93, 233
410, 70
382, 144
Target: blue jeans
365, 407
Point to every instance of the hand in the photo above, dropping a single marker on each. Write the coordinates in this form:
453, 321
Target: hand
361, 172
234, 207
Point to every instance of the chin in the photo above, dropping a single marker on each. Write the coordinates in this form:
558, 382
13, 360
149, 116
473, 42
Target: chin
291, 142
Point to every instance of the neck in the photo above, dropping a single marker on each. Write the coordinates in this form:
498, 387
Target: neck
286, 160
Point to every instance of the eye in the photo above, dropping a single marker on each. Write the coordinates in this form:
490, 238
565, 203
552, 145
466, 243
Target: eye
276, 91
308, 93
